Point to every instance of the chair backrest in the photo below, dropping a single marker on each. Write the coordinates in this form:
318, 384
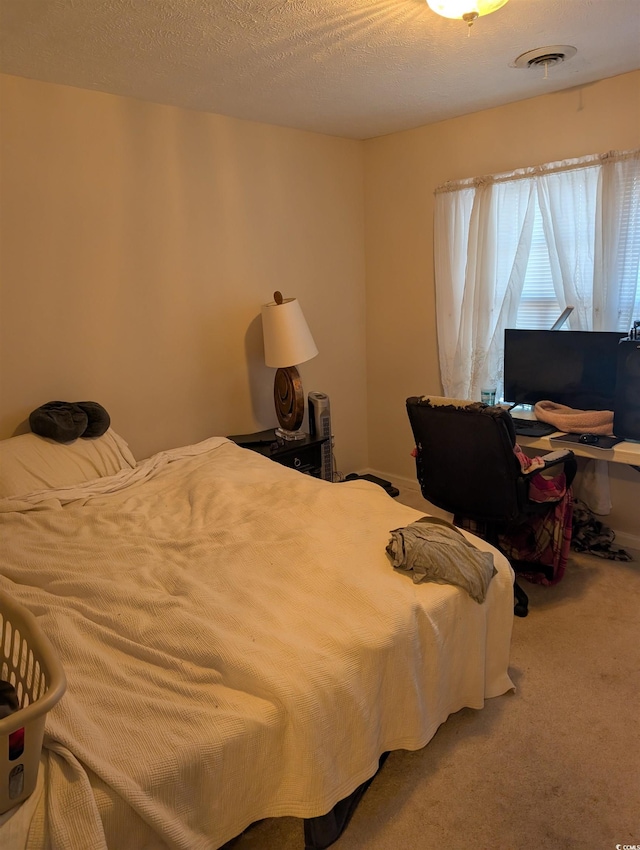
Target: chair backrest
465, 461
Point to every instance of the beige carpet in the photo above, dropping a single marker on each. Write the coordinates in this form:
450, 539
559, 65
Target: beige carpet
553, 766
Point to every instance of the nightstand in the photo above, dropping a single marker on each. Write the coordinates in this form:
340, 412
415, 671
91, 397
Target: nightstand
305, 455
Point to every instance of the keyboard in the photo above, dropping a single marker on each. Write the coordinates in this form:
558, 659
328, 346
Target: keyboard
532, 427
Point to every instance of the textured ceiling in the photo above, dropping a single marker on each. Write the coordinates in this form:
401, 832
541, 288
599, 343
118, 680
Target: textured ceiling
353, 68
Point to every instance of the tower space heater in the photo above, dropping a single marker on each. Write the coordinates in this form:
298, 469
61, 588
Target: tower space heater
320, 426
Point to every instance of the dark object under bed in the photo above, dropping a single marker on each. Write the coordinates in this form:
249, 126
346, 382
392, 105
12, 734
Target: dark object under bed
324, 830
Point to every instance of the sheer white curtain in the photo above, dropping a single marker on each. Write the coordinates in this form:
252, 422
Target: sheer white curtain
483, 238
567, 201
451, 234
591, 216
617, 248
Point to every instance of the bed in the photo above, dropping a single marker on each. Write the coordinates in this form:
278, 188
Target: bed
236, 643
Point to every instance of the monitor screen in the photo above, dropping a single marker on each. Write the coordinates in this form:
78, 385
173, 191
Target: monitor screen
576, 368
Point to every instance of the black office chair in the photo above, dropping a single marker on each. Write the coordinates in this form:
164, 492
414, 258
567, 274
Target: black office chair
466, 465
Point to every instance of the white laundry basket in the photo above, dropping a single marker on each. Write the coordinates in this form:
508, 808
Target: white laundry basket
29, 663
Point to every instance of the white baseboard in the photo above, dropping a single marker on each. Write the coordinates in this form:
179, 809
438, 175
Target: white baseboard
627, 541
622, 539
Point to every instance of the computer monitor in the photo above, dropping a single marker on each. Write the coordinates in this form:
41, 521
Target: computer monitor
576, 368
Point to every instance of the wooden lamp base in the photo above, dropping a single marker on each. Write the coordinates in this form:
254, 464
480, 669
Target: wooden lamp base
289, 401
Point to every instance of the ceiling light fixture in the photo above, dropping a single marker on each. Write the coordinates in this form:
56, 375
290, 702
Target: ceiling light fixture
465, 10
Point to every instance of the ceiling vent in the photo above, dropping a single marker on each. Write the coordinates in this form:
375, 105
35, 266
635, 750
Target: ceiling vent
545, 57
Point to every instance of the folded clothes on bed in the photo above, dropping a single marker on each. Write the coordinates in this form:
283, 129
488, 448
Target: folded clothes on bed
431, 549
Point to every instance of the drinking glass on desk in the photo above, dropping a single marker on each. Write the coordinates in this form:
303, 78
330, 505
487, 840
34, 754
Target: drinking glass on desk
488, 396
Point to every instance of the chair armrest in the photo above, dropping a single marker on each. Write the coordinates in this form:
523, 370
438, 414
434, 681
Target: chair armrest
564, 456
559, 456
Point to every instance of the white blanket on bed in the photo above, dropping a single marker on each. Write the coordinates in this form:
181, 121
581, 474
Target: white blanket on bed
236, 643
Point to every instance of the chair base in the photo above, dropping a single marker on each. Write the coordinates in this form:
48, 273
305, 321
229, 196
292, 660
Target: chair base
532, 567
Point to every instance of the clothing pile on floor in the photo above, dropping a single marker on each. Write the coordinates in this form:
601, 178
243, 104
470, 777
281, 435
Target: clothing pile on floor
593, 536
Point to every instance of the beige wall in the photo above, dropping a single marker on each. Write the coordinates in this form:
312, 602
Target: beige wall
401, 173
138, 242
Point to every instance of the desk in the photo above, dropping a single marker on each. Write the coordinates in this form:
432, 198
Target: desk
624, 452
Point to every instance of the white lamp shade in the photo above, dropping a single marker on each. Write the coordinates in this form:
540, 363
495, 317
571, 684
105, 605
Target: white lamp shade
287, 338
458, 8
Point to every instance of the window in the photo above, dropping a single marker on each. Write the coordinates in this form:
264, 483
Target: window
513, 250
539, 306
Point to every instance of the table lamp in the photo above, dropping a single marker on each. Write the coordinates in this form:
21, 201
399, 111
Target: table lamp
287, 342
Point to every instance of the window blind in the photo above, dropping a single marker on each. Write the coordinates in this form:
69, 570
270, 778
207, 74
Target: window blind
539, 306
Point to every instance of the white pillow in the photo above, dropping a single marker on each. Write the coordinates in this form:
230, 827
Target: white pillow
30, 462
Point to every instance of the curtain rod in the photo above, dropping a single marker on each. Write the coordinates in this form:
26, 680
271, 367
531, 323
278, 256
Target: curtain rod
591, 161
